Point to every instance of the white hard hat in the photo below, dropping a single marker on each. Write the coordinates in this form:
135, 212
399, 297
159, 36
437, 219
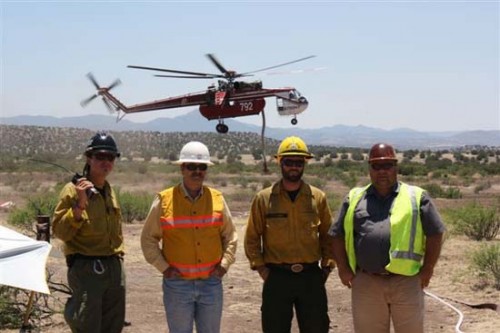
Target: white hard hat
194, 152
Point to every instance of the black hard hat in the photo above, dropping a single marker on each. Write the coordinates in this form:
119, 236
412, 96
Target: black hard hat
102, 142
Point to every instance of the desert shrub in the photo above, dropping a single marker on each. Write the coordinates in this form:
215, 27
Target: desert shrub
317, 182
436, 191
486, 261
11, 315
482, 186
476, 221
134, 206
41, 204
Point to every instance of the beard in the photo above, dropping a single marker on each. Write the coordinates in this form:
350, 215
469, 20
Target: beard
293, 176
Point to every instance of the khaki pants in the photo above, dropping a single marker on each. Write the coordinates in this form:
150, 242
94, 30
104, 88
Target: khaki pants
378, 299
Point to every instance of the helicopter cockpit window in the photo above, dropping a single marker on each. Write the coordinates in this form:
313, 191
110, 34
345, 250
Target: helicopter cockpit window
292, 94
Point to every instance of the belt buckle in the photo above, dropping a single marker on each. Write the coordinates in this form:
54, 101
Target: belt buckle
297, 268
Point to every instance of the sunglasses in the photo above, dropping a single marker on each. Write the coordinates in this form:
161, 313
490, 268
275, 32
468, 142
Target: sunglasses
293, 163
105, 157
193, 167
382, 166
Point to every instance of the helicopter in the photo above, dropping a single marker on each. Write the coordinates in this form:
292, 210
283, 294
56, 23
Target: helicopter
230, 98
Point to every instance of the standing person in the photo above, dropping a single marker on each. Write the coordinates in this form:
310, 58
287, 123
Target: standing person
198, 244
286, 241
88, 220
383, 232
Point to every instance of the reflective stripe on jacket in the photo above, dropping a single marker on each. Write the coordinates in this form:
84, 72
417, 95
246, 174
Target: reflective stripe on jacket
192, 231
407, 237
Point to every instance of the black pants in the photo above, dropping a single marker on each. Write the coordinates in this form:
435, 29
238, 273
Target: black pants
305, 291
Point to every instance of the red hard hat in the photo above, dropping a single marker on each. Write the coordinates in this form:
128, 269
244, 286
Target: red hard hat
380, 152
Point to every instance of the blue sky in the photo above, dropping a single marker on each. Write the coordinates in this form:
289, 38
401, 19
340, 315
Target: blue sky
425, 65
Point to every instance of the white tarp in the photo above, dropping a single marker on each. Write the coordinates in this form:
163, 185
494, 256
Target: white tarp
23, 261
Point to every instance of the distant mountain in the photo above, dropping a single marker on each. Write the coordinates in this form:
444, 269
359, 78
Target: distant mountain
338, 135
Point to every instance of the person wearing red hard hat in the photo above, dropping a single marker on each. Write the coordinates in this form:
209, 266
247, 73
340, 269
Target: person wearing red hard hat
386, 240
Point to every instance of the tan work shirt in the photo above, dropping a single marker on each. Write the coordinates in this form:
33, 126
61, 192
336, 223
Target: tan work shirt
280, 231
98, 233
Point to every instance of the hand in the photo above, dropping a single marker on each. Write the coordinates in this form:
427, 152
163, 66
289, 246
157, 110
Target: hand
425, 275
346, 276
82, 186
263, 272
326, 272
171, 272
219, 271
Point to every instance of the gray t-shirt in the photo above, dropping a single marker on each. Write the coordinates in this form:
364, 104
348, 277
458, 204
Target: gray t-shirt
372, 226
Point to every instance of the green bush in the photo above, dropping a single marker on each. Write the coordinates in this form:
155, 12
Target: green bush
486, 261
476, 222
134, 206
41, 204
10, 313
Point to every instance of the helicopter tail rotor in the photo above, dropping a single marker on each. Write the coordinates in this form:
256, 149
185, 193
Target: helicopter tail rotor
101, 91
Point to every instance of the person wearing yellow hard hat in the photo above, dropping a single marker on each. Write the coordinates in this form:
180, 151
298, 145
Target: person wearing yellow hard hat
387, 240
189, 237
286, 242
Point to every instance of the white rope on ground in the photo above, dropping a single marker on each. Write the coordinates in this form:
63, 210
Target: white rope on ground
460, 314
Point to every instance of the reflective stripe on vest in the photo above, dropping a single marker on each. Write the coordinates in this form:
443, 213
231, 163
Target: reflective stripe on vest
195, 271
407, 244
191, 221
410, 254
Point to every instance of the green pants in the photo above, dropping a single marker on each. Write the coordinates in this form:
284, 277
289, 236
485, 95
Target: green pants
97, 304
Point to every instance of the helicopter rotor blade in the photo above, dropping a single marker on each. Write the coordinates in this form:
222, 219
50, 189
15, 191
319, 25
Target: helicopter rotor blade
276, 66
172, 71
117, 82
86, 101
93, 80
217, 63
297, 71
189, 77
108, 105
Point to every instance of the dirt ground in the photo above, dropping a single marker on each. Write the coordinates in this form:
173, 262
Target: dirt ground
242, 288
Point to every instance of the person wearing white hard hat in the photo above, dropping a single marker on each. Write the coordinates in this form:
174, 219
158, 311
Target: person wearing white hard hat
189, 236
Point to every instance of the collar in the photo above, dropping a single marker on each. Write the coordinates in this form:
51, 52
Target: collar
187, 195
395, 190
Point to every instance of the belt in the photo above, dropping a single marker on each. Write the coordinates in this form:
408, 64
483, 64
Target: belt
295, 268
70, 258
384, 274
84, 257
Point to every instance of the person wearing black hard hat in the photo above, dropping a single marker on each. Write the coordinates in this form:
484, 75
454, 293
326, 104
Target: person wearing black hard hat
87, 219
386, 241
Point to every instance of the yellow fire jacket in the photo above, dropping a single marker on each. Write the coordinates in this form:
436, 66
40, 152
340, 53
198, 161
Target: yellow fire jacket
196, 235
282, 231
98, 233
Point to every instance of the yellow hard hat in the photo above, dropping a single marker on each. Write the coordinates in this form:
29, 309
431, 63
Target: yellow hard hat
293, 146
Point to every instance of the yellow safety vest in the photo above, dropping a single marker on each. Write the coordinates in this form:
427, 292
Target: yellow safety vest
407, 236
192, 231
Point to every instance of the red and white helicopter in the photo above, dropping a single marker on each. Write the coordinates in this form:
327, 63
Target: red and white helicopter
229, 99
